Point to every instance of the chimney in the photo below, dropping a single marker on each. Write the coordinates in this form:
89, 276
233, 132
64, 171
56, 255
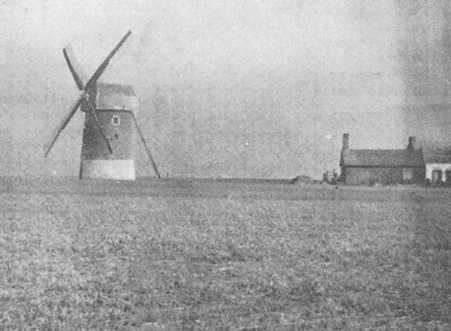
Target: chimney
411, 144
345, 148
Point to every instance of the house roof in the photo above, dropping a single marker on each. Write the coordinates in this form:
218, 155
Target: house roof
437, 155
383, 158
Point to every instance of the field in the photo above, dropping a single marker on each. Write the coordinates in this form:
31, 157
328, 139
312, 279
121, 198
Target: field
185, 254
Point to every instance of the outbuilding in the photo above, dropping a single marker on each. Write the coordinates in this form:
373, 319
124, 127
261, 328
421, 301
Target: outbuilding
438, 165
383, 166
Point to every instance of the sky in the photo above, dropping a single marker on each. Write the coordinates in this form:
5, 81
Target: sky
231, 88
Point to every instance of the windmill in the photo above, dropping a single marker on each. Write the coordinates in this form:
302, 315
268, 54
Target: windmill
107, 148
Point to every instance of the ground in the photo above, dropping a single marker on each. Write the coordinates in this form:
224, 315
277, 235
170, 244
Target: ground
185, 254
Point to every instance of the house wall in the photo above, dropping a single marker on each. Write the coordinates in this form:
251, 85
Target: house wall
430, 167
368, 176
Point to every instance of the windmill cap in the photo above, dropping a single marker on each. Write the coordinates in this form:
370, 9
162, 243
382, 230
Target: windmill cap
116, 96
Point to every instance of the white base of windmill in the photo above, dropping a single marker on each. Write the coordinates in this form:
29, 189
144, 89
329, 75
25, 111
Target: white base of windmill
108, 169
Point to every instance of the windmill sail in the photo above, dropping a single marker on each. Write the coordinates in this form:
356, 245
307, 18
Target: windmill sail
84, 89
76, 70
63, 123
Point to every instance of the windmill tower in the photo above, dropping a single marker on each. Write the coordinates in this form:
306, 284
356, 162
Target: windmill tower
107, 148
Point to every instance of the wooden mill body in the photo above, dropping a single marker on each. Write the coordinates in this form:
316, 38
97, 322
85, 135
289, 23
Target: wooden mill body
114, 104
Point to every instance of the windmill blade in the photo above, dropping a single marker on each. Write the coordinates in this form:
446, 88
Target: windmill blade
83, 92
64, 122
74, 67
94, 114
105, 63
149, 154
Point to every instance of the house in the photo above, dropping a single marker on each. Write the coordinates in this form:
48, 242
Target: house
438, 165
384, 166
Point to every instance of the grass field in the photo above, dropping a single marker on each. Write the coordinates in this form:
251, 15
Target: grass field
222, 255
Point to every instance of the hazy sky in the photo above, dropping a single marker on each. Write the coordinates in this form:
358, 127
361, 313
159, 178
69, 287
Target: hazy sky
230, 88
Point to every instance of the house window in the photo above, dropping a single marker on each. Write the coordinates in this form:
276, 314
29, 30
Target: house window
436, 176
115, 120
407, 174
448, 176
